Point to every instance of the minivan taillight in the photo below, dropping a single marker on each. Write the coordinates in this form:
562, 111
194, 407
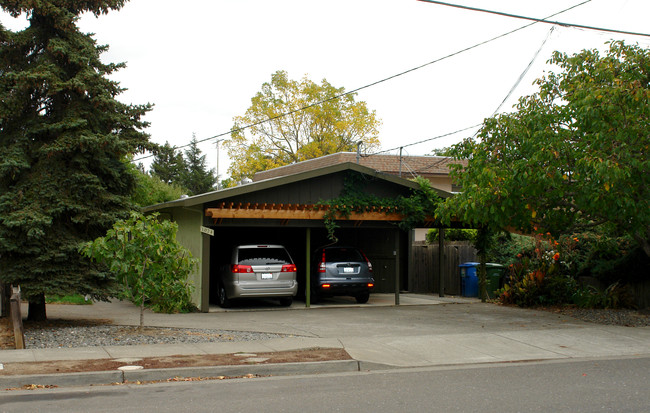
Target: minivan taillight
289, 268
321, 266
236, 268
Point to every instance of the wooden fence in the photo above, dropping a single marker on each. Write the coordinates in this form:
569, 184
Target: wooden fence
423, 267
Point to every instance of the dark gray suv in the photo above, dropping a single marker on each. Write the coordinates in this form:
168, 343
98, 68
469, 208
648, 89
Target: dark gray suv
340, 270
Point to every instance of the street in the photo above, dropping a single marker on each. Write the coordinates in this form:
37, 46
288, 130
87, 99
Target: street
588, 385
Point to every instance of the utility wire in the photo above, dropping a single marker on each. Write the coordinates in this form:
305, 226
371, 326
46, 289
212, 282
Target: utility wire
425, 140
523, 74
516, 16
281, 115
514, 87
521, 77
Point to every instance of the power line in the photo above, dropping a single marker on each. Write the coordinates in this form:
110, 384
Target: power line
523, 74
281, 115
516, 16
426, 140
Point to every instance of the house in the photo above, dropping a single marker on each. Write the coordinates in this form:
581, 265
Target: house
283, 209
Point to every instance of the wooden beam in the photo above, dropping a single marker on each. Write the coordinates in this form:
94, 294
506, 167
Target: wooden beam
299, 213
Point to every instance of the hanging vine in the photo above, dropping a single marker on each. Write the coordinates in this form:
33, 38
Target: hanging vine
353, 199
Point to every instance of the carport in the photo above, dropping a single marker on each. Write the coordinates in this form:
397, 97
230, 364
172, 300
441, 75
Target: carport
290, 210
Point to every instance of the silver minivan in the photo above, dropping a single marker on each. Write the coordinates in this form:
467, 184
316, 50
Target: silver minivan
258, 271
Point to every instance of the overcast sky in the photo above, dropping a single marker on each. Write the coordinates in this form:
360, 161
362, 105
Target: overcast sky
201, 61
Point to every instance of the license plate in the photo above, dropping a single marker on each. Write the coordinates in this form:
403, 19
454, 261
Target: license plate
267, 276
348, 269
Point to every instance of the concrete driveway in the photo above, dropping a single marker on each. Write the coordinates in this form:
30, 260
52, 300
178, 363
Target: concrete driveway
424, 330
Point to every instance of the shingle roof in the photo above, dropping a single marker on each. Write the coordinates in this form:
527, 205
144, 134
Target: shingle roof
411, 166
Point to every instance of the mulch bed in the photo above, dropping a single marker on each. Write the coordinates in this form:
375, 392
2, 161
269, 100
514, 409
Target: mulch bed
72, 366
6, 334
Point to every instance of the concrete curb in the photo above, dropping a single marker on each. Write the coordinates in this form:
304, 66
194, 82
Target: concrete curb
117, 376
62, 380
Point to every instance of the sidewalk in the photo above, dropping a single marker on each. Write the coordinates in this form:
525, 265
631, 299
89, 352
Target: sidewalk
423, 331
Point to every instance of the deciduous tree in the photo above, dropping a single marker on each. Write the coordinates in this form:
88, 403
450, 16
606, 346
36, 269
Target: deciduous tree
63, 141
310, 130
573, 155
151, 190
151, 266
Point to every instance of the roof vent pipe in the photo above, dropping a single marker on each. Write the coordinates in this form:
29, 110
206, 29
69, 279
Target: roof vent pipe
359, 151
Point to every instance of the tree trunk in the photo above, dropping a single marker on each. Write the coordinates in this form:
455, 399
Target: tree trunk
36, 310
142, 311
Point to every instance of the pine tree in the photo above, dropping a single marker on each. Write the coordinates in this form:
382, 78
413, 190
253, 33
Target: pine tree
197, 179
64, 139
168, 164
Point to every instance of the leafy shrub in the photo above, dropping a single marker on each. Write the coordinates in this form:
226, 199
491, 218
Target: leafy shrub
546, 271
451, 234
539, 276
614, 296
543, 285
505, 247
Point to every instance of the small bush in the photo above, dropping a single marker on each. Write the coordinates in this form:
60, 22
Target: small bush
614, 296
539, 276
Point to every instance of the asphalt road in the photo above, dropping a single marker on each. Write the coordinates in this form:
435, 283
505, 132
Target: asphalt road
620, 385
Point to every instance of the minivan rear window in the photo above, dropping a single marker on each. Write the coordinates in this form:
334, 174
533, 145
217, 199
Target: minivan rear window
263, 256
343, 255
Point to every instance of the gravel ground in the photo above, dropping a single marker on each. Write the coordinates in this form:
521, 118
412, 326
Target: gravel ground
62, 335
623, 317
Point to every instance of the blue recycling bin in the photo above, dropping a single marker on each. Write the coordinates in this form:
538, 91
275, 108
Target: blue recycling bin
469, 279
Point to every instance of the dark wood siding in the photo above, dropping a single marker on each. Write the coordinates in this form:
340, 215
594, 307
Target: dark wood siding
317, 189
425, 277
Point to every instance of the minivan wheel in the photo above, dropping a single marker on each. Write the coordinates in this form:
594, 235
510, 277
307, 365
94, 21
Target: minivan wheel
286, 301
224, 301
362, 298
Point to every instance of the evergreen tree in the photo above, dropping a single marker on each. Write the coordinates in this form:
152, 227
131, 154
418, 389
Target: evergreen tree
63, 141
168, 164
197, 179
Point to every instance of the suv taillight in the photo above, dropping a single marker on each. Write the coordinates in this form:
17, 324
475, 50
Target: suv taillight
321, 266
289, 268
236, 268
367, 261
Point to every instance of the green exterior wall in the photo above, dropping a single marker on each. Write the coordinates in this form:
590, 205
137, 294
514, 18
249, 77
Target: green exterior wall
189, 235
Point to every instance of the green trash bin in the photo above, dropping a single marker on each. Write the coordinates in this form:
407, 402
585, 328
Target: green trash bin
494, 278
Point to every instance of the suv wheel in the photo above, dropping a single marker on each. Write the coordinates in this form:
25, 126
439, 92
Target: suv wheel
286, 301
224, 301
362, 298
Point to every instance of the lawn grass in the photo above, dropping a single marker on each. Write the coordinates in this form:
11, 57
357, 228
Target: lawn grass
76, 299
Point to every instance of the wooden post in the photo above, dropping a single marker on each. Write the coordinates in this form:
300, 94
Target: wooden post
441, 258
17, 319
308, 268
396, 254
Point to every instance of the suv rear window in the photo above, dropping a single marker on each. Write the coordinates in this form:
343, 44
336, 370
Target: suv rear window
343, 255
263, 256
